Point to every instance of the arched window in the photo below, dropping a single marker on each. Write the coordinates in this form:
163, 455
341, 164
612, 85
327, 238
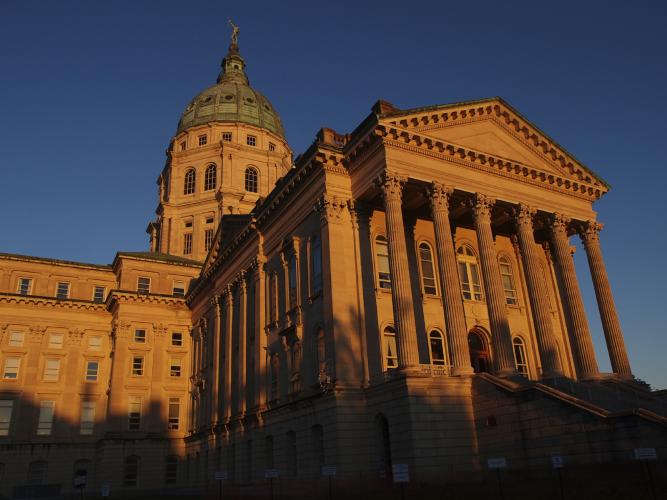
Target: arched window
37, 472
471, 287
508, 280
389, 347
189, 182
317, 437
291, 454
382, 258
436, 345
429, 285
131, 470
275, 375
251, 180
479, 354
210, 177
383, 446
520, 359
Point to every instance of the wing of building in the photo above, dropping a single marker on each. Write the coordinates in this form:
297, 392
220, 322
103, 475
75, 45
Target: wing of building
402, 294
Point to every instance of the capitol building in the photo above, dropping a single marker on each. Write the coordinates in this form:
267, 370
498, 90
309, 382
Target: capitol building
404, 293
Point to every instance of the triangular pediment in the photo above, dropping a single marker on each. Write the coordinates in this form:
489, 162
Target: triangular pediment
491, 127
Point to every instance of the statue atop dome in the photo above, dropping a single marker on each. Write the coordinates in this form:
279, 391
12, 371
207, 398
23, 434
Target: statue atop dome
235, 32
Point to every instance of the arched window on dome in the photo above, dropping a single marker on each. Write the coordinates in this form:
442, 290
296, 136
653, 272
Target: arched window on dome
251, 180
471, 287
189, 182
210, 177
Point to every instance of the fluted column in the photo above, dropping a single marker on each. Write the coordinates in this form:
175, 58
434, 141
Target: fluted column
229, 350
452, 302
215, 381
581, 342
495, 294
260, 335
242, 360
613, 333
537, 293
401, 292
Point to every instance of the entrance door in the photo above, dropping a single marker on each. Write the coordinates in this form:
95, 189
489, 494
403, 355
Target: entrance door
479, 354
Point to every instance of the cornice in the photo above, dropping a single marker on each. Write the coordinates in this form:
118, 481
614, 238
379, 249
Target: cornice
415, 143
121, 296
35, 300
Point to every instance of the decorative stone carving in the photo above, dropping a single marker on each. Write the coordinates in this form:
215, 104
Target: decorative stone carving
481, 208
36, 334
330, 208
391, 185
75, 336
159, 329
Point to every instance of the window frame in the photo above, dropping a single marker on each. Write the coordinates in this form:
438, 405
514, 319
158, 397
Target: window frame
211, 177
56, 345
142, 289
96, 288
511, 294
60, 295
92, 347
89, 373
208, 239
187, 243
251, 180
51, 374
6, 421
139, 338
174, 422
251, 140
137, 369
382, 279
87, 426
47, 412
466, 262
174, 288
202, 140
172, 365
389, 341
180, 340
189, 181
11, 342
134, 417
443, 343
521, 368
5, 367
19, 286
434, 270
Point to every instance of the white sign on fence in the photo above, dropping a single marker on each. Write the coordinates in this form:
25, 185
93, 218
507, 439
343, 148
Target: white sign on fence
270, 473
221, 475
645, 454
105, 490
557, 461
401, 473
497, 463
328, 470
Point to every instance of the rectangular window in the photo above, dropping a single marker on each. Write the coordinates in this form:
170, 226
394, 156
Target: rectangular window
95, 343
183, 146
11, 370
62, 290
24, 286
144, 284
6, 407
293, 288
92, 369
383, 270
251, 140
177, 339
171, 474
56, 341
188, 223
51, 370
179, 288
138, 366
98, 294
187, 243
208, 239
227, 136
202, 140
134, 413
15, 339
272, 147
209, 220
87, 418
316, 263
174, 411
175, 368
140, 336
45, 422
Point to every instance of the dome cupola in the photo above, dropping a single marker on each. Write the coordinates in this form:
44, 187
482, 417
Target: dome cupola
232, 99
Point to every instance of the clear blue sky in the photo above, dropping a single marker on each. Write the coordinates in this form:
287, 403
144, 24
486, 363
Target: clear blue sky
91, 93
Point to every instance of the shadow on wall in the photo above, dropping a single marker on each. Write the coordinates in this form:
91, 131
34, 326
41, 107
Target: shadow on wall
48, 455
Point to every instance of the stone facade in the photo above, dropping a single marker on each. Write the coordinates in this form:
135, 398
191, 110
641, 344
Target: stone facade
401, 294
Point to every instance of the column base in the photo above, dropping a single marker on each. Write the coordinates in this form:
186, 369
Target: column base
552, 374
462, 371
505, 373
590, 377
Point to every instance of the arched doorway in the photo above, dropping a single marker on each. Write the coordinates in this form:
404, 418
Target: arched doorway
479, 353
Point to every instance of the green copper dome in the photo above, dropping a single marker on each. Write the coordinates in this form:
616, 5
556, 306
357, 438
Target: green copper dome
232, 99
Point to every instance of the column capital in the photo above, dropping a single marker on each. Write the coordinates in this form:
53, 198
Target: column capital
438, 195
330, 208
589, 231
359, 211
481, 207
559, 223
391, 185
523, 215
257, 267
228, 293
216, 300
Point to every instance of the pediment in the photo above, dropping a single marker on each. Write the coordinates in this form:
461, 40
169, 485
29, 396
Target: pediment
493, 128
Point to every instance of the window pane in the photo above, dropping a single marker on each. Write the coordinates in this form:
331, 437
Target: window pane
92, 367
177, 339
62, 291
95, 343
6, 407
51, 369
134, 412
56, 340
87, 417
427, 268
174, 411
144, 285
46, 410
16, 339
382, 252
98, 294
437, 349
11, 370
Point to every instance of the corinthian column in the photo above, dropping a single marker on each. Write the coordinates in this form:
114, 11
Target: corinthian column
495, 294
610, 324
229, 350
216, 376
537, 293
580, 335
401, 292
449, 280
242, 360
